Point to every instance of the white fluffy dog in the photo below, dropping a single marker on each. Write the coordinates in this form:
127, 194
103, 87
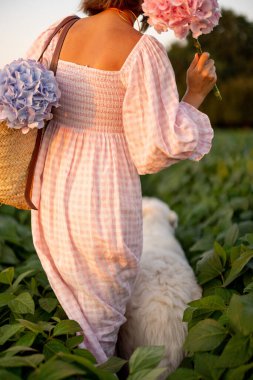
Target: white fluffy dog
164, 286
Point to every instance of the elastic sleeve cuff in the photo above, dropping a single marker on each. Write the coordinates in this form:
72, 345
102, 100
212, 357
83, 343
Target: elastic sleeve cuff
205, 131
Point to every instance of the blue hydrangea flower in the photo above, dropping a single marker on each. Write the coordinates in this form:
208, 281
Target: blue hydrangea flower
28, 91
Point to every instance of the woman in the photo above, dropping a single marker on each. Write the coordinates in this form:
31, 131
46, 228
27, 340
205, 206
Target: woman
120, 117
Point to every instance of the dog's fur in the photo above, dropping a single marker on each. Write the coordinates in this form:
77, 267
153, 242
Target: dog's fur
164, 286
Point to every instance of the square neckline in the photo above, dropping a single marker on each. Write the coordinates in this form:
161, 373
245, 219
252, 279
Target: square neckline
134, 49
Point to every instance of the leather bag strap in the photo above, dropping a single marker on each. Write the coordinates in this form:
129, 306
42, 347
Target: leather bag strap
57, 29
58, 48
65, 25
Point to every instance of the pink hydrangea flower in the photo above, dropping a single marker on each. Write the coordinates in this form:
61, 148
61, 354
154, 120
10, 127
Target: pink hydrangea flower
182, 16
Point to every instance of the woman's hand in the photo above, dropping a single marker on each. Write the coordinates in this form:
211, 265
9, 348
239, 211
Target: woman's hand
201, 78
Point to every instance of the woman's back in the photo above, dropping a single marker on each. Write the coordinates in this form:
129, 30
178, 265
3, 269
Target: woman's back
92, 73
101, 41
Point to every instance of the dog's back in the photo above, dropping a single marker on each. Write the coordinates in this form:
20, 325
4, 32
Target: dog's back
164, 286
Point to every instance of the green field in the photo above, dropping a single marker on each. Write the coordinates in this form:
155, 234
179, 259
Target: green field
212, 194
214, 201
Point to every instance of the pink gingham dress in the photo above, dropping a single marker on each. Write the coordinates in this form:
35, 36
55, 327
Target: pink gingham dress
112, 127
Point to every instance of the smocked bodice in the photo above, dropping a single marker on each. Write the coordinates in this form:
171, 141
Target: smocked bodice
90, 98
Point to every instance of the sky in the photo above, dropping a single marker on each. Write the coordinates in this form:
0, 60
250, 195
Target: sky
21, 21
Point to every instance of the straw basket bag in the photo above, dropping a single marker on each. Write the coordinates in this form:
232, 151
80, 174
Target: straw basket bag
15, 155
18, 151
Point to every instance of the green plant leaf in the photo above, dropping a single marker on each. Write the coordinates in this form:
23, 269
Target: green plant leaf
113, 364
48, 304
74, 341
205, 365
237, 266
249, 288
221, 252
238, 373
20, 278
27, 339
5, 298
22, 304
56, 370
235, 253
198, 315
236, 352
66, 327
209, 303
87, 365
84, 353
6, 375
56, 319
231, 235
225, 294
147, 374
245, 227
8, 229
15, 349
240, 313
21, 361
238, 203
224, 321
204, 336
209, 267
34, 288
46, 326
7, 331
146, 357
7, 255
34, 327
183, 374
202, 245
248, 238
188, 314
211, 286
7, 275
53, 347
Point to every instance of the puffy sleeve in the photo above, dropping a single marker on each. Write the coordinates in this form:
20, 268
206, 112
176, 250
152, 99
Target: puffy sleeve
159, 129
36, 48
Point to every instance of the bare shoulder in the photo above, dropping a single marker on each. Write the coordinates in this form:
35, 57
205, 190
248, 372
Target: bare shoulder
107, 42
105, 27
130, 39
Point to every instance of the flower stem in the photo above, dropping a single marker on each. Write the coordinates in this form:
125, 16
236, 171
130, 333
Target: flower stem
199, 50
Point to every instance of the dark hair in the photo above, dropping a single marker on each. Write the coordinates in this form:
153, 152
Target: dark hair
92, 7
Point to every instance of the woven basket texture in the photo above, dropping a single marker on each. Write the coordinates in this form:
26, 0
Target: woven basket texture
16, 151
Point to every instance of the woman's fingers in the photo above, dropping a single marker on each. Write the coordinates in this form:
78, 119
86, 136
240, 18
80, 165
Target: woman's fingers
202, 61
209, 62
194, 61
209, 70
201, 75
206, 67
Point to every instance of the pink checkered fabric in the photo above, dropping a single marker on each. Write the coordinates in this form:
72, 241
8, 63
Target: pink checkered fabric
111, 127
